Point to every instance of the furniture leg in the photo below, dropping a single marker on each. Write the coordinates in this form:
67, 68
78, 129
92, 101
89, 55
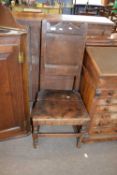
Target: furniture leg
79, 141
35, 136
82, 131
77, 130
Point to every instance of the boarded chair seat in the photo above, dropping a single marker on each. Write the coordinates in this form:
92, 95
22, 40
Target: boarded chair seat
59, 108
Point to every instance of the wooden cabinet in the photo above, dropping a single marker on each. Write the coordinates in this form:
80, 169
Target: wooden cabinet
99, 91
13, 101
14, 111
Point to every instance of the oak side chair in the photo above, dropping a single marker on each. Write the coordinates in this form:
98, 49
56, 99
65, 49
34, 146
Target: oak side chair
59, 101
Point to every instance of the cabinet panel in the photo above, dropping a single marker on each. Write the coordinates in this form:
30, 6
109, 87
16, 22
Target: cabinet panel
12, 114
87, 89
6, 109
14, 102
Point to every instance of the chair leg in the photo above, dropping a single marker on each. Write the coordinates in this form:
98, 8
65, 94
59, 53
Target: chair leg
77, 129
82, 132
79, 141
35, 140
35, 136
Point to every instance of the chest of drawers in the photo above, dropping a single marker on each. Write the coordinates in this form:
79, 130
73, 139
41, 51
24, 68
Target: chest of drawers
99, 91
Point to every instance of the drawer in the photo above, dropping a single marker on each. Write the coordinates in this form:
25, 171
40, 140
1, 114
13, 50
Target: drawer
106, 97
106, 119
108, 82
108, 101
106, 109
103, 130
104, 94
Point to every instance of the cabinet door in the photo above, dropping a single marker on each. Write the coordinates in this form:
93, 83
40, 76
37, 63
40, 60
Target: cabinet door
12, 112
63, 45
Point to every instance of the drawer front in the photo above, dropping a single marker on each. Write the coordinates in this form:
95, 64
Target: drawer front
106, 97
102, 94
108, 82
106, 109
108, 101
103, 130
105, 120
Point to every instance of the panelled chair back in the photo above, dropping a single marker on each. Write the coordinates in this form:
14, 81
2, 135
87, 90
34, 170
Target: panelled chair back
63, 44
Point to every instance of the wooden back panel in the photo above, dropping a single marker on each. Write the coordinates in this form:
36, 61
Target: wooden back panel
63, 44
